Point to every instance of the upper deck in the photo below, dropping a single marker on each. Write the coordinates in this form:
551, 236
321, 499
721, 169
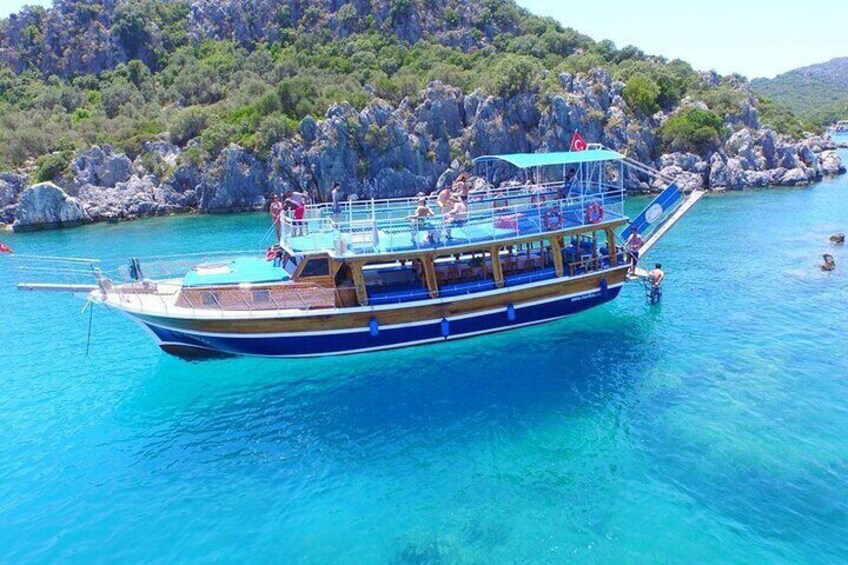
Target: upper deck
592, 195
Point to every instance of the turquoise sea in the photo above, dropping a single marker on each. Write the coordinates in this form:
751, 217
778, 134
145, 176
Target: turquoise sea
711, 428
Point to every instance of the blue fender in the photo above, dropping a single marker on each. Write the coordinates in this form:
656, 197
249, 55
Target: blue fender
604, 287
445, 328
374, 326
510, 312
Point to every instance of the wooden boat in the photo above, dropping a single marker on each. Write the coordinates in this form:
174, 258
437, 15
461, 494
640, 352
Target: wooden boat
365, 276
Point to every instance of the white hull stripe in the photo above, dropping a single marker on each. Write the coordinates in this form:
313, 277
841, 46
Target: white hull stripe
378, 348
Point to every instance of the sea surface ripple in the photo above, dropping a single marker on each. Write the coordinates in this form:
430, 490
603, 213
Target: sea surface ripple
709, 428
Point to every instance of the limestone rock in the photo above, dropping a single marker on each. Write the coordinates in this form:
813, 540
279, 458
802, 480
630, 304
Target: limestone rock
11, 185
237, 181
794, 177
164, 150
831, 163
46, 205
719, 177
100, 167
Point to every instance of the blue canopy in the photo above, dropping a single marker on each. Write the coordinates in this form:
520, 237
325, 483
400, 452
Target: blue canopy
528, 160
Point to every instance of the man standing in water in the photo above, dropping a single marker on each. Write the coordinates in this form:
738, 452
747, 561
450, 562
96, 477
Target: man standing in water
656, 277
634, 244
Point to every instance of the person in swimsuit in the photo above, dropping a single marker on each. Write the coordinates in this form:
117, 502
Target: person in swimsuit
656, 277
458, 214
276, 210
444, 200
634, 244
829, 264
418, 221
461, 185
336, 198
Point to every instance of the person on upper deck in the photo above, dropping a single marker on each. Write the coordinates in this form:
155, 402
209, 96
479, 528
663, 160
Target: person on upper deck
571, 184
537, 189
419, 221
296, 201
444, 199
460, 185
634, 244
336, 199
458, 214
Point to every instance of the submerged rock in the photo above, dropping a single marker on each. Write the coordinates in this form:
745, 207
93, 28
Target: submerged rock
47, 205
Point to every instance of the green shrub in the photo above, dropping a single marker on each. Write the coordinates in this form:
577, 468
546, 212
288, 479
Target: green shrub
188, 124
641, 94
217, 137
694, 130
782, 120
513, 74
273, 128
51, 166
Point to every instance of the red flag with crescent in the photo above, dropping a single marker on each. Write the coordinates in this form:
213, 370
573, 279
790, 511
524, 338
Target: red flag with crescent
5, 248
578, 143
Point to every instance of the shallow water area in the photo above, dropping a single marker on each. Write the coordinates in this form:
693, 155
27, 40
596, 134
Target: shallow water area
709, 427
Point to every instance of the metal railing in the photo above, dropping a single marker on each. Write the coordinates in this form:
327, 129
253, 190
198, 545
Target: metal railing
384, 226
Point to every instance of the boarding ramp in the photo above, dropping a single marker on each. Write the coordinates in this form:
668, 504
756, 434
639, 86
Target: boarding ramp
662, 213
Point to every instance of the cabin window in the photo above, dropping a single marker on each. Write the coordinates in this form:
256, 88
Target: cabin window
526, 263
316, 268
464, 273
587, 252
390, 283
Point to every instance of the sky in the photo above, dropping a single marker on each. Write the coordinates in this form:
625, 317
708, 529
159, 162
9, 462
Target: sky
756, 38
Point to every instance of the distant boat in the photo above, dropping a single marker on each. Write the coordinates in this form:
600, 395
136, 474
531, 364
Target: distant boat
840, 127
369, 276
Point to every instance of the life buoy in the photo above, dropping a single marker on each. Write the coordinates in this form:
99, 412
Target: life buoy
553, 220
594, 213
270, 254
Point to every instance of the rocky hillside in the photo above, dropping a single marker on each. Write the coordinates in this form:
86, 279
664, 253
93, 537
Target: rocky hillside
131, 108
818, 92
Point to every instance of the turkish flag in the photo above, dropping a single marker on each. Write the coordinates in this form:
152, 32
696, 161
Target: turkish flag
578, 143
5, 248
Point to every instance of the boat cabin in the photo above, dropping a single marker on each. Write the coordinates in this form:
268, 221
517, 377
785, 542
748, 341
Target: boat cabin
531, 218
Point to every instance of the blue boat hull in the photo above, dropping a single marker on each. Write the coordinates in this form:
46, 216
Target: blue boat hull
187, 343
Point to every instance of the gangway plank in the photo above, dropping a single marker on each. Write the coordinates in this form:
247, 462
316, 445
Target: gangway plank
664, 228
55, 287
